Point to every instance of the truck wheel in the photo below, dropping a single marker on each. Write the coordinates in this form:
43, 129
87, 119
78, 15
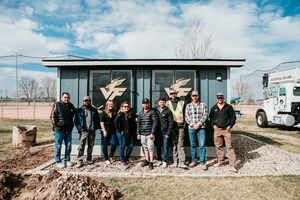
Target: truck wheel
261, 120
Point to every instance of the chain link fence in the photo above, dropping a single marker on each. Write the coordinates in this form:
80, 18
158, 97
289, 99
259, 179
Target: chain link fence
33, 104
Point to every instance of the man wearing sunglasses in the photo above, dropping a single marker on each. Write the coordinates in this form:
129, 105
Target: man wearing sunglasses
222, 117
87, 122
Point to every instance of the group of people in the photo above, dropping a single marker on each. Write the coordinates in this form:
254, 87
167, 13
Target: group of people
153, 127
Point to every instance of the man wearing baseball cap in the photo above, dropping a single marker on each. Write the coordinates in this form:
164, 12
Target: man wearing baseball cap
195, 116
177, 107
222, 117
146, 128
87, 122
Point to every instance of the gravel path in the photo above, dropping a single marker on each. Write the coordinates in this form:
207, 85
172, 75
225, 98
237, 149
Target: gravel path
253, 159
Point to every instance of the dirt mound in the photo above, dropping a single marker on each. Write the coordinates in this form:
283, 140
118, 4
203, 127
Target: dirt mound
9, 184
54, 186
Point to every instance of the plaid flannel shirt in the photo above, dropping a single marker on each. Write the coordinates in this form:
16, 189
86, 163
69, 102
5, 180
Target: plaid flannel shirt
196, 114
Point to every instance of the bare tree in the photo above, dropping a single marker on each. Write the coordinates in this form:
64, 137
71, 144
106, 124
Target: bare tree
48, 89
195, 43
28, 88
242, 90
6, 93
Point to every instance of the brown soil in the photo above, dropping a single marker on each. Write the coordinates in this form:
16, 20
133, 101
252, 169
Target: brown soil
15, 185
24, 159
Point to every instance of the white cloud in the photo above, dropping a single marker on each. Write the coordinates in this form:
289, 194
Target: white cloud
22, 37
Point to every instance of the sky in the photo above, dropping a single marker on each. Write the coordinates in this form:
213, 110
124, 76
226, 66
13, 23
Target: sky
265, 33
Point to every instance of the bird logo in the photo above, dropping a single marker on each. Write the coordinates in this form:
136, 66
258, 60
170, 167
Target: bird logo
177, 86
111, 91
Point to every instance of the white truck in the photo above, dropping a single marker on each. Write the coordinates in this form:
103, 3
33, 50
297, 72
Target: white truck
284, 108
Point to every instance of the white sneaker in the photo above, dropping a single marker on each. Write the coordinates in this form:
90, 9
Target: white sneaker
158, 163
60, 165
164, 164
107, 162
69, 164
79, 164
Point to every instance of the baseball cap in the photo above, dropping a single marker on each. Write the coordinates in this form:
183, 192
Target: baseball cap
220, 95
195, 92
145, 100
173, 91
86, 98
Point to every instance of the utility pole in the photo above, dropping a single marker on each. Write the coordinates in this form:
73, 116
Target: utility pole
17, 86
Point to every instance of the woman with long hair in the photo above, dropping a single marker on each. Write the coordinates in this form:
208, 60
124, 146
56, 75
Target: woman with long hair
125, 124
108, 132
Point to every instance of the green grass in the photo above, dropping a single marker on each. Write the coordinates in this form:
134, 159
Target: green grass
270, 135
267, 187
44, 133
281, 130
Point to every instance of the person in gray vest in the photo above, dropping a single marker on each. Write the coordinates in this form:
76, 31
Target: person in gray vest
62, 114
87, 122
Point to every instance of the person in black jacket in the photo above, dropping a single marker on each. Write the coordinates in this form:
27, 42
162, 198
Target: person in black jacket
146, 128
125, 124
108, 132
164, 131
222, 117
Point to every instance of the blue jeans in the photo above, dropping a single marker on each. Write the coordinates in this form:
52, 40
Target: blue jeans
111, 137
162, 141
200, 134
125, 141
59, 137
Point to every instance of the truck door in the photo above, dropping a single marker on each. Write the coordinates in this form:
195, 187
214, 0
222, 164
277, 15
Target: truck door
282, 98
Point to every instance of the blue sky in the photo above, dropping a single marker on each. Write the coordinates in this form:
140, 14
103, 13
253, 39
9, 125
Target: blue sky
265, 33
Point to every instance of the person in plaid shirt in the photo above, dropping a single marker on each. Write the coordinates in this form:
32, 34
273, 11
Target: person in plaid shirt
195, 116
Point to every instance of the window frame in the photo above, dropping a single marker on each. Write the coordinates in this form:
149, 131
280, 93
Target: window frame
91, 80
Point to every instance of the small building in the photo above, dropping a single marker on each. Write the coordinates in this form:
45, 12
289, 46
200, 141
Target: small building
135, 79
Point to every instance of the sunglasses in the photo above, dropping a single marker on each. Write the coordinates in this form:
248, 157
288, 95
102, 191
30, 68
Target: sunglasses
126, 106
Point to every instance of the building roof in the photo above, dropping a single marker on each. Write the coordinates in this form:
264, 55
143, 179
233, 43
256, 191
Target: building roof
144, 62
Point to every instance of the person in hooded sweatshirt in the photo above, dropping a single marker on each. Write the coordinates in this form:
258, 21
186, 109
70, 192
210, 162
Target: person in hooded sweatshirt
164, 131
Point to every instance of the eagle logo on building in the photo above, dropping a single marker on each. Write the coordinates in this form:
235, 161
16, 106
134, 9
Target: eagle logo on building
111, 91
177, 86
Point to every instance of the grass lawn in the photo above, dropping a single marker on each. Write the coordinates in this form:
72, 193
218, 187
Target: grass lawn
287, 138
44, 133
267, 187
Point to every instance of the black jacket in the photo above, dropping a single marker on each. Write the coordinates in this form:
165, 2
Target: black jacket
125, 124
222, 118
147, 124
166, 122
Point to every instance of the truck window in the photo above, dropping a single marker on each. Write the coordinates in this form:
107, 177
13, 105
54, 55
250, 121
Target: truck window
282, 92
296, 91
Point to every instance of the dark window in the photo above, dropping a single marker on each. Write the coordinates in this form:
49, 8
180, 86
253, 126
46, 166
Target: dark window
296, 91
110, 85
182, 81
